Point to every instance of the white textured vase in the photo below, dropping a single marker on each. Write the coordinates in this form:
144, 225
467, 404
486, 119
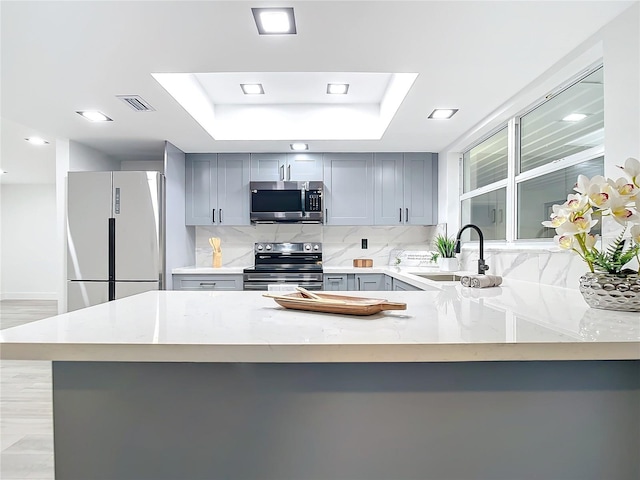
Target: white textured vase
448, 264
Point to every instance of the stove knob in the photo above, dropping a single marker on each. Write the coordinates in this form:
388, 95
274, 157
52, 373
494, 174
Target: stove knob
268, 247
316, 247
259, 247
307, 247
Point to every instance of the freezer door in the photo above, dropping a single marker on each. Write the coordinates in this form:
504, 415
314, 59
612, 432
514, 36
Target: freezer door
126, 289
88, 212
86, 294
139, 240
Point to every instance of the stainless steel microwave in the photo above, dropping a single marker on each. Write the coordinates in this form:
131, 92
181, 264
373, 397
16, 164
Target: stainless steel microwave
286, 202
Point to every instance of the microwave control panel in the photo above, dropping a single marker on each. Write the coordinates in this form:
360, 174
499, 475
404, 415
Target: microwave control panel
313, 201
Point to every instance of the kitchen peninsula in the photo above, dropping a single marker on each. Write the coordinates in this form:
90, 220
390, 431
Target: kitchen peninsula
520, 381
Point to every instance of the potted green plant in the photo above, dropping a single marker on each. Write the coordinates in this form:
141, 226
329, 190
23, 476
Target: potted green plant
609, 284
446, 247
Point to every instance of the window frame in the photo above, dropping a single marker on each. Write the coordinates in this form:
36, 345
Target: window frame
514, 177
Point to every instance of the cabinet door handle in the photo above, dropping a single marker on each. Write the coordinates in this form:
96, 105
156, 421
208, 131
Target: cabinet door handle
220, 215
406, 217
213, 215
359, 287
326, 215
288, 172
400, 214
281, 172
207, 284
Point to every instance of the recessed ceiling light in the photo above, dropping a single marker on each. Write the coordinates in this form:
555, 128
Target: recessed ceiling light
37, 141
252, 88
443, 113
2, 172
94, 116
274, 21
337, 88
574, 117
298, 147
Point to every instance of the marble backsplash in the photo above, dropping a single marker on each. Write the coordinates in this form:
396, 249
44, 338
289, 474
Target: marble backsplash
340, 244
549, 266
541, 264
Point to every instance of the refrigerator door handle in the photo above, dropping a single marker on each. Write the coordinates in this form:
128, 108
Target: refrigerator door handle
112, 259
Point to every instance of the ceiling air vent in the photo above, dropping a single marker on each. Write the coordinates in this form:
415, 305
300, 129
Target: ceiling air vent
136, 102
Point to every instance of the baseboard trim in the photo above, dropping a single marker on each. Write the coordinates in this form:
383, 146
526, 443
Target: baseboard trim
28, 296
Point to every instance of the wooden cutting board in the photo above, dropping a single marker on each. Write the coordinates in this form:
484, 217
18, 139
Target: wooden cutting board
363, 262
335, 303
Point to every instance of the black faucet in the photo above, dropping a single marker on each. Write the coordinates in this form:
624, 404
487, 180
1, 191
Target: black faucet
482, 267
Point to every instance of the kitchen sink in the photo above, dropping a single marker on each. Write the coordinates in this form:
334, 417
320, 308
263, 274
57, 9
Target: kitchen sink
440, 277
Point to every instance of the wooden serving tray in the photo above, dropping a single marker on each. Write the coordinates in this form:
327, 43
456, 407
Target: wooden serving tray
322, 302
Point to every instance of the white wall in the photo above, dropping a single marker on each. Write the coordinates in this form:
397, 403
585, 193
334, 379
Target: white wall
142, 166
617, 45
29, 255
84, 158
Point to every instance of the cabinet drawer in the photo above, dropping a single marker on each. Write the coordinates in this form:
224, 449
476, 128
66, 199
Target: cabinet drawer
207, 282
335, 282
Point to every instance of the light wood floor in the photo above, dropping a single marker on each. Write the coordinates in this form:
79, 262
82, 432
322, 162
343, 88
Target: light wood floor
26, 423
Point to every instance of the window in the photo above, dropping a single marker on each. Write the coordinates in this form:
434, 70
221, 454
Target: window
486, 163
537, 196
488, 211
509, 192
569, 123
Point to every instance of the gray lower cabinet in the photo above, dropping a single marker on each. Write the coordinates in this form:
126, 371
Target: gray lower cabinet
364, 281
400, 285
406, 188
207, 282
348, 192
370, 281
334, 282
217, 188
286, 167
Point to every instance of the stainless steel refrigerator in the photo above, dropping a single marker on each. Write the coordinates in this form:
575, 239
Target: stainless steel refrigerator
115, 236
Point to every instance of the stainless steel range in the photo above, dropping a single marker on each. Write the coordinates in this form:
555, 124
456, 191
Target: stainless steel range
282, 263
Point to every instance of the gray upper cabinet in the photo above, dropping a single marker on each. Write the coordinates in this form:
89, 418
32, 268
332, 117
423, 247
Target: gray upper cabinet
286, 167
389, 200
348, 182
421, 188
217, 189
406, 191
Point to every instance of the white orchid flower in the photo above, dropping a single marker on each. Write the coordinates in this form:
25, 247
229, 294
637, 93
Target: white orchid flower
590, 241
632, 169
635, 233
584, 185
576, 202
576, 226
622, 211
565, 242
624, 188
559, 215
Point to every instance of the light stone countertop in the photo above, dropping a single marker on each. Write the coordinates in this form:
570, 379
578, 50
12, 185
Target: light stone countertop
401, 273
516, 321
192, 270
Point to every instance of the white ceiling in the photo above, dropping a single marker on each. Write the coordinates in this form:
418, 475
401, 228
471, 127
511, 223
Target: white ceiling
60, 57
